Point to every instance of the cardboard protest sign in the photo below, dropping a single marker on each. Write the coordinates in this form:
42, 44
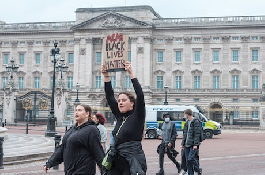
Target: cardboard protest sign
115, 52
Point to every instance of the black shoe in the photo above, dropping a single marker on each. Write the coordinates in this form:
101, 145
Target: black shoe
200, 172
178, 167
160, 172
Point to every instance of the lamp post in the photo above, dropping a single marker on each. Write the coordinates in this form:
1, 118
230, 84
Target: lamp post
166, 89
11, 67
61, 67
77, 101
55, 56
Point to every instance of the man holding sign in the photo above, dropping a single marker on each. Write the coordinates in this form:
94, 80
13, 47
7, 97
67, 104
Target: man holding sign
115, 52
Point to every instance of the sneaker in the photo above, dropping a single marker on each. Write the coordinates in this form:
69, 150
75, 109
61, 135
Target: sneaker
182, 172
198, 173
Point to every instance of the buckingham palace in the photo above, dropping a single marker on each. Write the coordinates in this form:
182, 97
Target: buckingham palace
214, 62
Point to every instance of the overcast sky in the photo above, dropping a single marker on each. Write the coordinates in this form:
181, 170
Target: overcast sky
19, 11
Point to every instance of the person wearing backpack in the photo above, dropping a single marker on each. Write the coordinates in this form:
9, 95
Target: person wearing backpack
167, 134
191, 141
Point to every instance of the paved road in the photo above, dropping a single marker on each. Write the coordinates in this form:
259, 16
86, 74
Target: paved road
234, 152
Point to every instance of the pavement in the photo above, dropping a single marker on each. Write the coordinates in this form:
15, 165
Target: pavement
20, 148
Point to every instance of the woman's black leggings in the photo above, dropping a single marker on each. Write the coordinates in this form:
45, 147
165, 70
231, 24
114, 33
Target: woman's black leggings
120, 166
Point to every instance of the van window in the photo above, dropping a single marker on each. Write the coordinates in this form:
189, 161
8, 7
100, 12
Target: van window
174, 115
202, 118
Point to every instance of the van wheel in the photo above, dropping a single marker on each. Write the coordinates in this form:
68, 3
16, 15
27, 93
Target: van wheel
151, 134
208, 134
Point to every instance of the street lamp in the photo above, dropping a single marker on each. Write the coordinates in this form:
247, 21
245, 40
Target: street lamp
61, 67
11, 67
77, 101
55, 56
166, 89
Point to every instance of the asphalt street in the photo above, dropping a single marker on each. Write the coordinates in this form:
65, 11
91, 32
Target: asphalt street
234, 152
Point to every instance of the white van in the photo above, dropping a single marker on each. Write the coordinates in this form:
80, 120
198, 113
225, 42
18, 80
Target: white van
154, 114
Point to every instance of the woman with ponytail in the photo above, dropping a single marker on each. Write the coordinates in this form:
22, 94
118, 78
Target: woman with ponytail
81, 146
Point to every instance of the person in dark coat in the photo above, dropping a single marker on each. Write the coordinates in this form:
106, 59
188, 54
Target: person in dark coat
168, 137
81, 147
127, 154
191, 141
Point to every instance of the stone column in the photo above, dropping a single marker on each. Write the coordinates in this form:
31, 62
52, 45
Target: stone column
147, 61
88, 66
76, 77
60, 105
9, 106
262, 109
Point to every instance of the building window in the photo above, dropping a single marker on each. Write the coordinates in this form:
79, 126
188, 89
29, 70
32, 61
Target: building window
235, 55
98, 82
235, 38
22, 42
255, 55
6, 43
160, 40
6, 58
177, 100
4, 82
196, 100
255, 114
71, 42
235, 114
178, 82
216, 56
254, 38
197, 56
159, 82
38, 42
197, 82
255, 100
235, 81
216, 39
178, 39
255, 82
98, 57
129, 56
70, 58
20, 82
197, 39
127, 81
70, 82
235, 100
113, 81
37, 56
216, 82
160, 57
178, 56
37, 82
21, 58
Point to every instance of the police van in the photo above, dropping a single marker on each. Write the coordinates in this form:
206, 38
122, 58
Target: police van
154, 116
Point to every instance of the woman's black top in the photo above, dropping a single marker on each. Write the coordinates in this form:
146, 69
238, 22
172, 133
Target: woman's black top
80, 150
132, 129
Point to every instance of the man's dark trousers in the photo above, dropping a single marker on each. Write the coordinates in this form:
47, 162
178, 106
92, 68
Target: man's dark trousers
161, 155
192, 160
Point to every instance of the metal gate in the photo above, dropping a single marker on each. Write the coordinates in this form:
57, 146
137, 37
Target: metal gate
32, 107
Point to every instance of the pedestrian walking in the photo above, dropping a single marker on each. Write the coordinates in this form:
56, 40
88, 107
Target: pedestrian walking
167, 135
100, 121
80, 149
127, 154
191, 141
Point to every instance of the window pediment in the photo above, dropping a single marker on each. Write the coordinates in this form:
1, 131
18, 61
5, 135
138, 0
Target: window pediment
178, 72
159, 72
196, 72
216, 72
235, 71
36, 73
254, 71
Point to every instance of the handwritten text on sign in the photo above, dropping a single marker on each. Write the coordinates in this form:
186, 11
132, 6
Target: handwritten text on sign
115, 51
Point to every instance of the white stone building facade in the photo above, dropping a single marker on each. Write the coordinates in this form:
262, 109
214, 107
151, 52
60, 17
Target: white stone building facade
215, 62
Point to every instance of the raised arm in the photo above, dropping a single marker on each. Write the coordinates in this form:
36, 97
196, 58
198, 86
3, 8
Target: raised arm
109, 91
140, 104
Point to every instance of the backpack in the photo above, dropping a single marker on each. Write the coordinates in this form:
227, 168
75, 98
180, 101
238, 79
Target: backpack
202, 136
